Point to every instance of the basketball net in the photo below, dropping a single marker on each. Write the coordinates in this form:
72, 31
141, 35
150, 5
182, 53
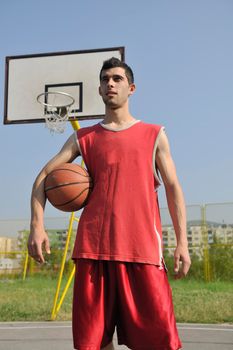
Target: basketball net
56, 109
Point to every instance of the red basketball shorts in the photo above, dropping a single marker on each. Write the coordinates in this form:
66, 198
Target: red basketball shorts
133, 297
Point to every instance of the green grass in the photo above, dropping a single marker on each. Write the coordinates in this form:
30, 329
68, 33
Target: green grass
31, 300
194, 301
202, 302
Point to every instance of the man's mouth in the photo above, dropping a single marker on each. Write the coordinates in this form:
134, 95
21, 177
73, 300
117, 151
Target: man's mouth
110, 93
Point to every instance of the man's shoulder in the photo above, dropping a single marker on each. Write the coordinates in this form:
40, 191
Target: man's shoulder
87, 130
150, 126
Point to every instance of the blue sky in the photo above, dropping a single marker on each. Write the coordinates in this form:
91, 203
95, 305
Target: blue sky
182, 56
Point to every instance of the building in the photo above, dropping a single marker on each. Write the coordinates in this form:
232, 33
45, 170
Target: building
199, 236
9, 265
9, 255
57, 238
8, 244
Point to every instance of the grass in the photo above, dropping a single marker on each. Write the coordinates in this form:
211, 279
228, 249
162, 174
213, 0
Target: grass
31, 300
202, 302
194, 301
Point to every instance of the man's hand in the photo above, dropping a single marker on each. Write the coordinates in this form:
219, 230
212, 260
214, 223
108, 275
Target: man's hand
181, 255
38, 239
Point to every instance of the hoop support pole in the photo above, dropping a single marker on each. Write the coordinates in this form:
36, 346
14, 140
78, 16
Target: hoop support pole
75, 124
64, 293
53, 315
25, 265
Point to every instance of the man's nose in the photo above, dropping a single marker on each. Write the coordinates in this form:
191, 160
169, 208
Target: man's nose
110, 82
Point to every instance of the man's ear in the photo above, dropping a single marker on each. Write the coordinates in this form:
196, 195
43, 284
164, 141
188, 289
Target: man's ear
132, 89
100, 91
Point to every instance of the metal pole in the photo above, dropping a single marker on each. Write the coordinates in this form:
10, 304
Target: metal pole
25, 265
62, 266
64, 293
205, 245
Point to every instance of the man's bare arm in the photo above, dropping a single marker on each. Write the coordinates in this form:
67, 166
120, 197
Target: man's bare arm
176, 204
38, 238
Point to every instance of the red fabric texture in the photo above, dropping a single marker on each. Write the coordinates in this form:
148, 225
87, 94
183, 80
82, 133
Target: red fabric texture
121, 220
134, 297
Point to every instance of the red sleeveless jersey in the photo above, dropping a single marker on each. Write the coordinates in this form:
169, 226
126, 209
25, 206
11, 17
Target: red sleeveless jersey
121, 220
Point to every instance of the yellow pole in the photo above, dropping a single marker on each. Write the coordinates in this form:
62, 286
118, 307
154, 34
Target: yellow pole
25, 265
62, 266
205, 246
57, 307
75, 124
64, 293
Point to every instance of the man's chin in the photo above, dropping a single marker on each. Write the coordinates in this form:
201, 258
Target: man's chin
111, 104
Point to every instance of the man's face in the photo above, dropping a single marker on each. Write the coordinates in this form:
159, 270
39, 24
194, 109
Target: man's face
115, 88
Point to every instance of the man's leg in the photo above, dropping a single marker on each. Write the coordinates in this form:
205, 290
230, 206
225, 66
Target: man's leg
146, 316
93, 305
110, 346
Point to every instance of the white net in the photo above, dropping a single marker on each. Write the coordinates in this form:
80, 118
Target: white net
55, 119
56, 109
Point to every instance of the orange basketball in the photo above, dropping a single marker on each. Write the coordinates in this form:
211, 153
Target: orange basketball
68, 186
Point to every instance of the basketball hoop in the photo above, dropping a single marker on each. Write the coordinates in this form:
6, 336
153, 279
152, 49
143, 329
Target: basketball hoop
56, 112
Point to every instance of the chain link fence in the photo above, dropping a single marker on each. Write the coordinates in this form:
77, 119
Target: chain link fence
209, 232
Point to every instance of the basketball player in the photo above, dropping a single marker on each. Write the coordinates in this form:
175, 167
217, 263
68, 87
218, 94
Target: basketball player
121, 278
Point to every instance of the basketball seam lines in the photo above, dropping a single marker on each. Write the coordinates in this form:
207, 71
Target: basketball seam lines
60, 205
66, 184
73, 171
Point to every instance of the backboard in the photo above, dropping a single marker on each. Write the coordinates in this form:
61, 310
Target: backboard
73, 72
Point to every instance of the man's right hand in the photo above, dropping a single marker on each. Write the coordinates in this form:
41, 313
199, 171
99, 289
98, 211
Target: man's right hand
37, 240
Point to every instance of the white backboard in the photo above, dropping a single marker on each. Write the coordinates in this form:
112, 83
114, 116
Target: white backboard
73, 72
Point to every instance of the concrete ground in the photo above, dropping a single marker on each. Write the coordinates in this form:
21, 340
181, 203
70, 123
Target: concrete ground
58, 336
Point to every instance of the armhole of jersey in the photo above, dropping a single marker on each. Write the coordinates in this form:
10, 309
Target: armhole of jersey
77, 142
155, 170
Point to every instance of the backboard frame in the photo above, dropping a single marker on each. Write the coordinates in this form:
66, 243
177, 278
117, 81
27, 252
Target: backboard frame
8, 119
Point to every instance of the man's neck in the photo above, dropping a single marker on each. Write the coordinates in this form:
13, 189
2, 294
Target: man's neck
118, 117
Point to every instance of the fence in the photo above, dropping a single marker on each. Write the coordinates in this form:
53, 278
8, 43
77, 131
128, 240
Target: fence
210, 237
209, 231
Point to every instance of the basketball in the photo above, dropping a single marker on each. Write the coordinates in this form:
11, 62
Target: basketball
68, 186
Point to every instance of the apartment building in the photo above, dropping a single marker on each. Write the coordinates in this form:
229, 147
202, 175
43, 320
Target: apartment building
198, 236
9, 255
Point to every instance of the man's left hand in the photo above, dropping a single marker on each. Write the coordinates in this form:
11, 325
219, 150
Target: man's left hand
182, 261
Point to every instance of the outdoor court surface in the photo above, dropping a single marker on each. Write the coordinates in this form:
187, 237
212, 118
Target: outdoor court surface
57, 336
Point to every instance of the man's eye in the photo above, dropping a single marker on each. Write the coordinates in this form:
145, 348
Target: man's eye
117, 78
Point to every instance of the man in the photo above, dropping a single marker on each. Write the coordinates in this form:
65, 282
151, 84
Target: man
120, 276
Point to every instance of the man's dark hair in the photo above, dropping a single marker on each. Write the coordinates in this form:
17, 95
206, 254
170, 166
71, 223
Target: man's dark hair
114, 63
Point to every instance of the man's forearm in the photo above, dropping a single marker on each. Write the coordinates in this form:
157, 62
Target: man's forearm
177, 209
38, 201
